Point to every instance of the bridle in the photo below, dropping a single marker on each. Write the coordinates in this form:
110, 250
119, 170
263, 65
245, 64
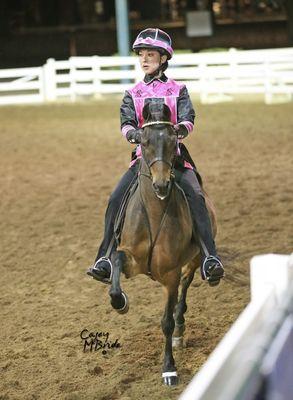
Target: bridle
153, 240
154, 160
157, 123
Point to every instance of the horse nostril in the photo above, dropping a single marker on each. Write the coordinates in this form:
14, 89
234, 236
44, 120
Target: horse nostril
166, 185
155, 186
161, 185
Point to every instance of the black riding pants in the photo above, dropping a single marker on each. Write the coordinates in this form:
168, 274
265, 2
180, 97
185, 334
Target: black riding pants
113, 206
188, 181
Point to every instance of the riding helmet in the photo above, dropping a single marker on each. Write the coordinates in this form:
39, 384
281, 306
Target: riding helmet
152, 38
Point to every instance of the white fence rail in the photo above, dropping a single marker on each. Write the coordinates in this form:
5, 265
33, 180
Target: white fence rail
241, 365
22, 85
213, 76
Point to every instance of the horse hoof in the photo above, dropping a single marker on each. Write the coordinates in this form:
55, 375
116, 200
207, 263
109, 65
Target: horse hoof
177, 342
170, 378
124, 309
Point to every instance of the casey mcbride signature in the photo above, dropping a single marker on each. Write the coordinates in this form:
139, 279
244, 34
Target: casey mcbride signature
98, 341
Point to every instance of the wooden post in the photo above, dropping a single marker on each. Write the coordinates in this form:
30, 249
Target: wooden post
49, 80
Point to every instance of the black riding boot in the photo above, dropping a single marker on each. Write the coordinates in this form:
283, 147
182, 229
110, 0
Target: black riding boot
102, 268
211, 267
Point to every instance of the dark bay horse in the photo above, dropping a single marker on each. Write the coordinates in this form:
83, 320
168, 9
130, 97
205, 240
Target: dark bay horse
157, 237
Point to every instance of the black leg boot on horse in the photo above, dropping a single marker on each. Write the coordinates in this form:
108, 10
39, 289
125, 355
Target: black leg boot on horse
212, 269
102, 269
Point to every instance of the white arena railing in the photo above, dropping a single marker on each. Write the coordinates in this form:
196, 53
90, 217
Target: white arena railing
22, 85
254, 360
214, 76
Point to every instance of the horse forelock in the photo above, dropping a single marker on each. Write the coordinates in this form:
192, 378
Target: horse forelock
156, 112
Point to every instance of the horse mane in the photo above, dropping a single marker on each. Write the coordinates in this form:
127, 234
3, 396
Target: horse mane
156, 111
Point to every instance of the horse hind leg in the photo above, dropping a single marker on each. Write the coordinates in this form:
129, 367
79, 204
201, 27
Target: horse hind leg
119, 300
181, 307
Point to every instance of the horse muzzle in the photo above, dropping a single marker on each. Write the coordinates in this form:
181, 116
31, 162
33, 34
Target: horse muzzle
162, 189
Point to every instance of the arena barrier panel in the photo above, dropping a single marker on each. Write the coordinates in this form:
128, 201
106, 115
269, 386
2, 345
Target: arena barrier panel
254, 359
213, 76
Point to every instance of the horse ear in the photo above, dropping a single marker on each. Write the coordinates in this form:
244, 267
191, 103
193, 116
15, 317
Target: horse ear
146, 111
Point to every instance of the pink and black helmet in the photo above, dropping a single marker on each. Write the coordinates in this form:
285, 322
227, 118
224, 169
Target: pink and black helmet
156, 39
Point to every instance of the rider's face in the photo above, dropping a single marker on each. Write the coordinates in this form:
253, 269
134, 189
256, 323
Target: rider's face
150, 60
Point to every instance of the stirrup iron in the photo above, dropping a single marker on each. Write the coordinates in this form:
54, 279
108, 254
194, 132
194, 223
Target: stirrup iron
91, 272
209, 277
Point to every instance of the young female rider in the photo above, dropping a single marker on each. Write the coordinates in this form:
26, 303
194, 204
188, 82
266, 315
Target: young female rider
154, 49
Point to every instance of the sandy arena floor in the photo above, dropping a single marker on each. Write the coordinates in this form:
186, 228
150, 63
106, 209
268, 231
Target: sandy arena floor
59, 164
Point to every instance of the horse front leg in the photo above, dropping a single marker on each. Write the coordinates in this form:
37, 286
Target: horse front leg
169, 370
181, 307
119, 300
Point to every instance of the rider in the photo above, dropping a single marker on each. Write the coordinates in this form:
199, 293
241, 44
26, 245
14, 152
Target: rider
154, 49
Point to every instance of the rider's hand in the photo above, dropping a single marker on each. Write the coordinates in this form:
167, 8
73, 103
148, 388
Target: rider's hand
133, 136
181, 131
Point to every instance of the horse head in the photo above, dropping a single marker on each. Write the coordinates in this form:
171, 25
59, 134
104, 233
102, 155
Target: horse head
158, 143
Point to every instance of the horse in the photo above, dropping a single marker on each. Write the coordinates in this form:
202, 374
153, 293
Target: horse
157, 238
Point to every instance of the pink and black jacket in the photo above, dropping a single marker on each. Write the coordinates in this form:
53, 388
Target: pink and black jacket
172, 93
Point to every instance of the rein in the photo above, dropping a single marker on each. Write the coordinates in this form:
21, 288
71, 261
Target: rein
170, 164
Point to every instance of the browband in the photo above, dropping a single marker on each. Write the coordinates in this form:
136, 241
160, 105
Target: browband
157, 123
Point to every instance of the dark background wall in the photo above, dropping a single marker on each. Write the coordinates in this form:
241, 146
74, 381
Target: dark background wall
31, 31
